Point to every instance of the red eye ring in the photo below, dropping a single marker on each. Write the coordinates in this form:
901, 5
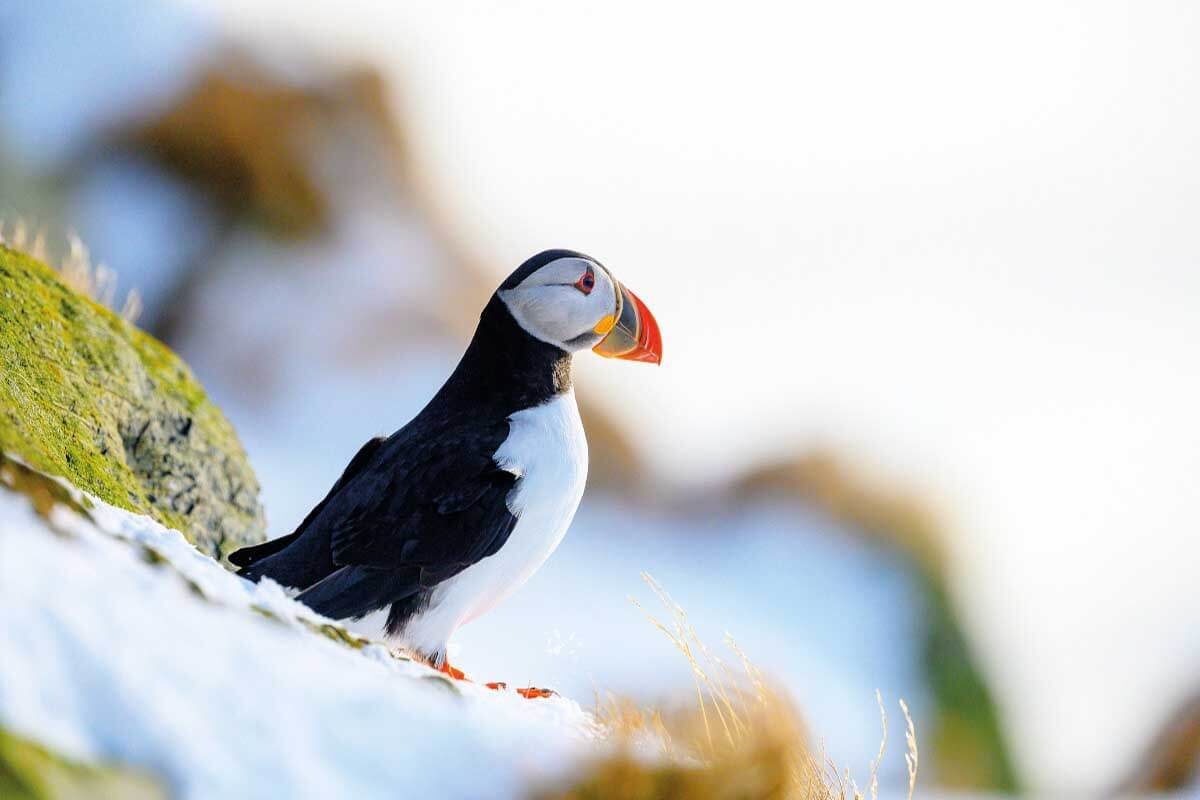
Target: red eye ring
586, 282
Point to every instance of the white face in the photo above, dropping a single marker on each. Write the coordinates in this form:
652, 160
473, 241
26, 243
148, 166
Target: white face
554, 304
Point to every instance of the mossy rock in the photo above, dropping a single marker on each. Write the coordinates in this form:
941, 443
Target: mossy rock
86, 396
29, 771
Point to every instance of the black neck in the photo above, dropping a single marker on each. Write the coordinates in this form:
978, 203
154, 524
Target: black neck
505, 366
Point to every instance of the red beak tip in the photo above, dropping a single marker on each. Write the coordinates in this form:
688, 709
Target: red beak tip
650, 343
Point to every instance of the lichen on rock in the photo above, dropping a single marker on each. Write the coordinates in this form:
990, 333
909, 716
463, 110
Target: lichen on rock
88, 397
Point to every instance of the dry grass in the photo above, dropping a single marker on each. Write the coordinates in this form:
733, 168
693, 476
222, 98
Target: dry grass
742, 738
96, 281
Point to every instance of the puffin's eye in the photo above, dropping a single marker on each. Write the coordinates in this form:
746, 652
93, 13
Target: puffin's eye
586, 282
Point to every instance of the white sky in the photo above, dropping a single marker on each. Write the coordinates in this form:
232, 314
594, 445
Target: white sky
959, 241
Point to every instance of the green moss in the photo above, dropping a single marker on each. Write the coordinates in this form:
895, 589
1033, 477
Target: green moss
29, 771
337, 634
86, 396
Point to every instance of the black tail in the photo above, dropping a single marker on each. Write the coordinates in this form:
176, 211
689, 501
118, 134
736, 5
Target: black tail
248, 555
354, 592
303, 558
298, 560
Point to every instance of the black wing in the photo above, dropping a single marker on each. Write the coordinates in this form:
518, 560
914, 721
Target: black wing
422, 509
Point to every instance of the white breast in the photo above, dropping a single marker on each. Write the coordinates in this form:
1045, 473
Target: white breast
547, 450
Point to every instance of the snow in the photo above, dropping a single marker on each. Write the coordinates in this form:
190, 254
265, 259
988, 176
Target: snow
109, 657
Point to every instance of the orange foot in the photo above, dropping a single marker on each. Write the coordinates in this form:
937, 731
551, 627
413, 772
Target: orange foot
453, 672
528, 693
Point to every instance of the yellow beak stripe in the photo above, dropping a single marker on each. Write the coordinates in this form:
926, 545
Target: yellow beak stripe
605, 324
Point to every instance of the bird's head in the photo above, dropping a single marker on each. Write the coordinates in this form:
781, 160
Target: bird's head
572, 301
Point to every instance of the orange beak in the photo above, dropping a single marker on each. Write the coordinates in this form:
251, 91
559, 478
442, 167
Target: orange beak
634, 335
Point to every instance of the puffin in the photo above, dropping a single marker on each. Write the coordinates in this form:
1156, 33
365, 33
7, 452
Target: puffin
431, 527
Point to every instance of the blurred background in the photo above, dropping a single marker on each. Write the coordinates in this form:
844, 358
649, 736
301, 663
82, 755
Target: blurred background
928, 276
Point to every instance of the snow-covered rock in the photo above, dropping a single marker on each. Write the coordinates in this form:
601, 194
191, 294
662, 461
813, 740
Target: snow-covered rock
122, 643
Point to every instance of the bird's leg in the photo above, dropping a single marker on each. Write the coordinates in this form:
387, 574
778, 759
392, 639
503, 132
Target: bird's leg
453, 672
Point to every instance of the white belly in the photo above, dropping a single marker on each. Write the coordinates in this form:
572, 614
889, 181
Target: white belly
547, 450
